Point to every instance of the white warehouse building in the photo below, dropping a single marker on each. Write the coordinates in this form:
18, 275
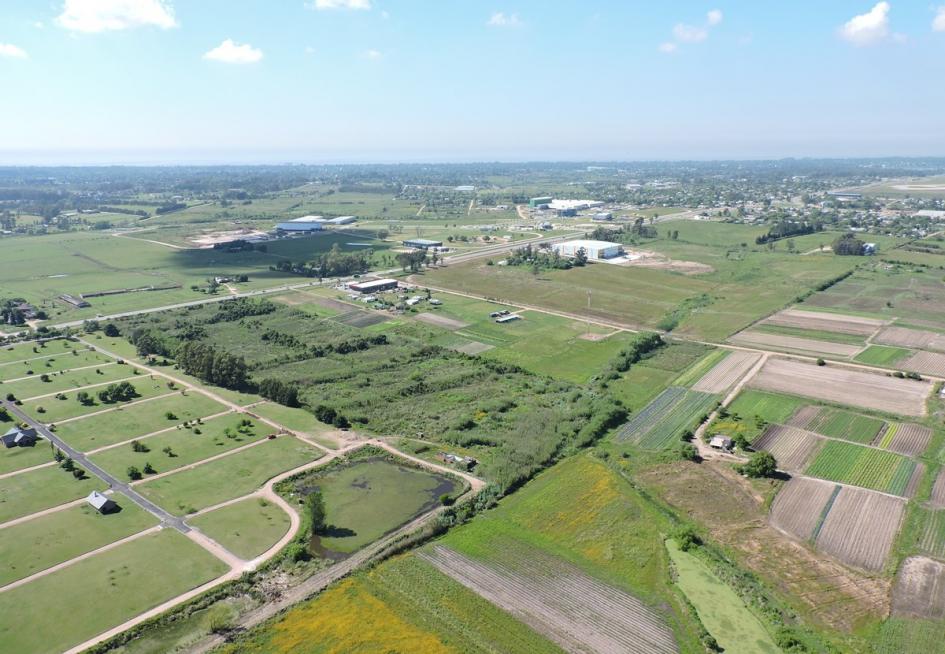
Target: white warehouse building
595, 250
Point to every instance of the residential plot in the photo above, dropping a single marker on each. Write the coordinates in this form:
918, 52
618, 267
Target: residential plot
911, 338
801, 505
69, 359
844, 386
863, 466
247, 528
78, 602
53, 410
727, 373
18, 458
35, 545
929, 363
41, 489
560, 602
664, 419
796, 343
860, 527
919, 591
232, 476
91, 380
829, 322
791, 447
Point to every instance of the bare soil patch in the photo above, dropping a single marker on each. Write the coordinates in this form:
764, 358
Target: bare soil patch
915, 338
804, 416
437, 320
473, 348
362, 318
791, 447
799, 505
828, 322
795, 343
589, 336
649, 259
727, 372
212, 238
911, 439
844, 386
557, 600
929, 363
919, 591
861, 527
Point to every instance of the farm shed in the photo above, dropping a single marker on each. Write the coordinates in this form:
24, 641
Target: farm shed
721, 443
18, 437
101, 503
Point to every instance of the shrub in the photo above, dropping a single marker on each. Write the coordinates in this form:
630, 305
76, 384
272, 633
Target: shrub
686, 537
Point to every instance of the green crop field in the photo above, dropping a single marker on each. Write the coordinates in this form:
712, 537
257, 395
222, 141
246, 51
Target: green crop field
187, 446
930, 533
246, 528
137, 420
815, 334
227, 478
863, 466
76, 603
849, 426
662, 422
722, 612
752, 410
41, 489
38, 544
882, 355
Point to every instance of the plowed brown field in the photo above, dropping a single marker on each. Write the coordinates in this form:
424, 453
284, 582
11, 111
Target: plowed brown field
797, 508
861, 527
727, 372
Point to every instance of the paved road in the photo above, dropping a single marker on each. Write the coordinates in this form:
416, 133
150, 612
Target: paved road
83, 462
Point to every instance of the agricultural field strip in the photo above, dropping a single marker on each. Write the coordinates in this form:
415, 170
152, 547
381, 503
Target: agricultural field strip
861, 526
575, 611
727, 372
154, 433
60, 372
817, 320
798, 506
937, 499
795, 343
911, 338
117, 408
833, 464
791, 447
928, 363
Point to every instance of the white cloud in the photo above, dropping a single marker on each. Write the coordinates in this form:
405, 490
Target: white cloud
938, 23
690, 33
107, 15
714, 17
12, 52
230, 52
501, 19
39, 25
340, 4
373, 55
668, 47
869, 28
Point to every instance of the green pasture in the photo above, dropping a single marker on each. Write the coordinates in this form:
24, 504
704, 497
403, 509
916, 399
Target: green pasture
14, 354
41, 489
239, 474
882, 355
50, 364
846, 425
246, 528
55, 410
17, 458
863, 466
91, 380
71, 605
38, 544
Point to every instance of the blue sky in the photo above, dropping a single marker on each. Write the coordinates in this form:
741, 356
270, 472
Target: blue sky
136, 81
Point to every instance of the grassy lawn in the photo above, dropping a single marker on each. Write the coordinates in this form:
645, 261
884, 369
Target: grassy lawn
32, 546
34, 491
722, 612
300, 421
55, 410
882, 355
187, 446
44, 363
247, 528
123, 582
368, 498
66, 382
138, 420
17, 458
240, 474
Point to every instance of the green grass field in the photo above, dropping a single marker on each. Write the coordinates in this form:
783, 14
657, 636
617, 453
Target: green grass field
849, 426
227, 478
216, 436
35, 545
722, 612
48, 363
37, 490
67, 382
247, 528
881, 355
862, 466
76, 603
55, 410
752, 410
133, 421
17, 458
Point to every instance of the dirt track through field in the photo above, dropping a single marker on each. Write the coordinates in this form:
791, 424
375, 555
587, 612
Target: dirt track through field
791, 447
916, 338
761, 339
861, 527
727, 372
575, 611
920, 589
828, 322
798, 507
844, 386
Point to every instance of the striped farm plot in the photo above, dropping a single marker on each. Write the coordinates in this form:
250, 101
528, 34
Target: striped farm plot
928, 363
560, 602
938, 490
837, 423
843, 385
828, 322
919, 591
795, 343
791, 447
663, 420
727, 372
912, 338
907, 438
932, 538
866, 467
801, 506
860, 527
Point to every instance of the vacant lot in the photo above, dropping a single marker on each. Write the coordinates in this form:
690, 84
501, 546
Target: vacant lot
246, 528
52, 410
76, 603
440, 321
50, 364
18, 458
863, 466
828, 322
800, 505
791, 447
560, 602
782, 342
91, 379
727, 373
861, 527
844, 386
664, 420
45, 488
911, 338
920, 589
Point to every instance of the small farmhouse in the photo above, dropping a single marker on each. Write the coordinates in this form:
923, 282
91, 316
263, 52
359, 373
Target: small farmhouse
101, 503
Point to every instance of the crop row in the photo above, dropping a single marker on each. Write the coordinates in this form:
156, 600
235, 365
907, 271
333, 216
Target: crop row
863, 466
657, 426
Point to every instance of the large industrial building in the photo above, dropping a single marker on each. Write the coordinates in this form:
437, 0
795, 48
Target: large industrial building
422, 243
595, 250
373, 286
303, 224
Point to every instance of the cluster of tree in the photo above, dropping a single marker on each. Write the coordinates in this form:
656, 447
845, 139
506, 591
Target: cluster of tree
348, 346
13, 311
239, 308
641, 345
170, 207
120, 392
333, 263
849, 245
279, 391
760, 464
788, 228
412, 261
212, 365
329, 416
240, 245
149, 342
625, 233
67, 464
544, 259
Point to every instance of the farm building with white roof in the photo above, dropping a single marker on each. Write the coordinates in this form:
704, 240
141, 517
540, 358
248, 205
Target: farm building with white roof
595, 250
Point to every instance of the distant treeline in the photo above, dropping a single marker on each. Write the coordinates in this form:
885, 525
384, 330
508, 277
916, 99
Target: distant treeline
789, 228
